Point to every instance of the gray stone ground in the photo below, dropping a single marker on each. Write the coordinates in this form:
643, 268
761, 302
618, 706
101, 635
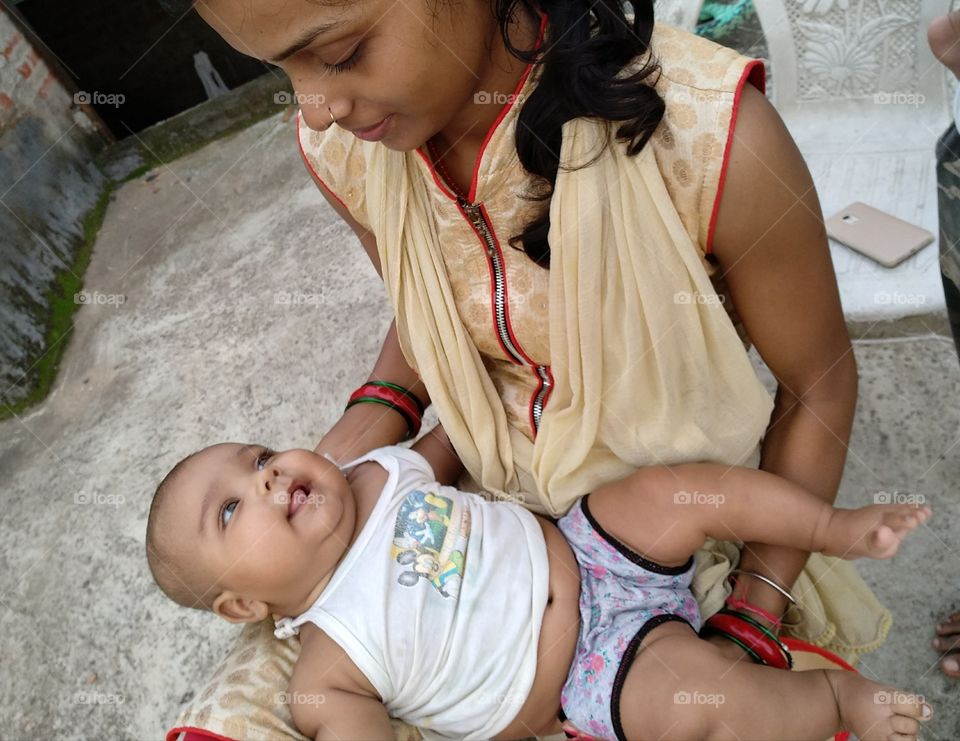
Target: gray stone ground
204, 348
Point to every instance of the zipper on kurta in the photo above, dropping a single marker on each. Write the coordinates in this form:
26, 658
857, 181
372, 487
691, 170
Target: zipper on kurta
474, 213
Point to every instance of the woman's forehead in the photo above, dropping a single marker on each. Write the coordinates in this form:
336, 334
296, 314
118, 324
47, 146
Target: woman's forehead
264, 28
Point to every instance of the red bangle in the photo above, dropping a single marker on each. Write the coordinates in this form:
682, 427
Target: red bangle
742, 604
747, 634
395, 397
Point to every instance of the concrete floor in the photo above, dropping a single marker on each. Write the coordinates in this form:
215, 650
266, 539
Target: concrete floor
203, 348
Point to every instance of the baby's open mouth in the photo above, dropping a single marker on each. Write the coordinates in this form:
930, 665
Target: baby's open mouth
298, 495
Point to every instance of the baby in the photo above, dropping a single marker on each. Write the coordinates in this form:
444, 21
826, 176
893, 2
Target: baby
475, 619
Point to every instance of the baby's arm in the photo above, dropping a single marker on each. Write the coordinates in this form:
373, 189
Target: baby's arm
435, 446
666, 513
330, 698
338, 715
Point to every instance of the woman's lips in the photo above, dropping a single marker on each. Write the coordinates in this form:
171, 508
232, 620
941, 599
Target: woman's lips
374, 133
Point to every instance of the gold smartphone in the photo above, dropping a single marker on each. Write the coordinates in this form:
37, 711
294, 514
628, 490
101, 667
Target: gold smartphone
877, 234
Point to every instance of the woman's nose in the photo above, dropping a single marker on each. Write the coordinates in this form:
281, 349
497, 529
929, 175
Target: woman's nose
321, 105
320, 116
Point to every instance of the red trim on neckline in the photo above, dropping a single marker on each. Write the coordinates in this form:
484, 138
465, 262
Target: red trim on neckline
756, 74
472, 193
506, 292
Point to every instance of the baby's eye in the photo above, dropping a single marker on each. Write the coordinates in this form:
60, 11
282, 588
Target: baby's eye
227, 512
262, 459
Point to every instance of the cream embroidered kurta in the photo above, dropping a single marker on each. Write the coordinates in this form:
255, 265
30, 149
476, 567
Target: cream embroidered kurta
699, 398
630, 388
711, 408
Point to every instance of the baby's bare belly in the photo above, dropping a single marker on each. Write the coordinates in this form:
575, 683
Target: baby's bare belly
558, 640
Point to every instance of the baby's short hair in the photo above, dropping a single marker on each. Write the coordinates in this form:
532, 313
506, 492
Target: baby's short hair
180, 578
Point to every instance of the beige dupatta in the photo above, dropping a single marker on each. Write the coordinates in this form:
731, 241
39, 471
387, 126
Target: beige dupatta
647, 365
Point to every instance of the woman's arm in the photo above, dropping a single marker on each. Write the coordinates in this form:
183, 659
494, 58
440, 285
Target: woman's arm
436, 447
364, 427
772, 249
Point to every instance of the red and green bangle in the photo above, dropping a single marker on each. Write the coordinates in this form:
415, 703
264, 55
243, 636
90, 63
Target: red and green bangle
758, 641
395, 397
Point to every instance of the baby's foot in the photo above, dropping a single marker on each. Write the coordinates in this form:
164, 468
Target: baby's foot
874, 712
873, 532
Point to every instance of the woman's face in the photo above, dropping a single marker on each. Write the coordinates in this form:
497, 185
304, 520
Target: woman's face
418, 61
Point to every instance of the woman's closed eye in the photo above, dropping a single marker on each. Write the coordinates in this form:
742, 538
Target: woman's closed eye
345, 65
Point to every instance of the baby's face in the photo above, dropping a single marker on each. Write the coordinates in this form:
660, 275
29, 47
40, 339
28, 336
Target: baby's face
267, 526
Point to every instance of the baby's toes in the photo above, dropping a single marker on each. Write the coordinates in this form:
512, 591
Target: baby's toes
905, 726
910, 709
883, 540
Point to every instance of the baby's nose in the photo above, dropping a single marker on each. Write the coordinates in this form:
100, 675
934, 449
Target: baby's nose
278, 483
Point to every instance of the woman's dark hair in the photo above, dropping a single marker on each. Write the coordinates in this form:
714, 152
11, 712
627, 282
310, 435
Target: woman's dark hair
175, 7
588, 42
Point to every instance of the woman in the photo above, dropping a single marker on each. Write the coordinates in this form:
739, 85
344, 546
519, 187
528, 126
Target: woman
594, 341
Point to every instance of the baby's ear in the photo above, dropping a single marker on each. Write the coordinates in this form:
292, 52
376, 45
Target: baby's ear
231, 606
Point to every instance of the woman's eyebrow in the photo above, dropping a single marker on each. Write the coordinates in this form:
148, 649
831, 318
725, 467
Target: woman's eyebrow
306, 39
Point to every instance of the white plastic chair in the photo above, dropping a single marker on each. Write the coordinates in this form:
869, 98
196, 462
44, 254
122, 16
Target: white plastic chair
679, 13
865, 100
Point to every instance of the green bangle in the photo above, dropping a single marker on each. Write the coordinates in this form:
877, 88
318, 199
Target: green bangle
763, 629
755, 623
412, 427
400, 390
749, 651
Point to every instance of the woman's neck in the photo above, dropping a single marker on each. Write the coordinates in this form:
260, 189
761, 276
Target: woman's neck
467, 131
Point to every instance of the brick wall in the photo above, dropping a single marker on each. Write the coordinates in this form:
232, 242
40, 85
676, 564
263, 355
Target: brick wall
47, 183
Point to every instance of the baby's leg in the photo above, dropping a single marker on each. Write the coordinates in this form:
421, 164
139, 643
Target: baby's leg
681, 687
666, 512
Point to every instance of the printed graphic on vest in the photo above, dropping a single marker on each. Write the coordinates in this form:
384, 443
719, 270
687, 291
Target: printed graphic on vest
430, 541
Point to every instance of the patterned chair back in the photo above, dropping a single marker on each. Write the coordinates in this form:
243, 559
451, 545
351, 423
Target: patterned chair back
874, 51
